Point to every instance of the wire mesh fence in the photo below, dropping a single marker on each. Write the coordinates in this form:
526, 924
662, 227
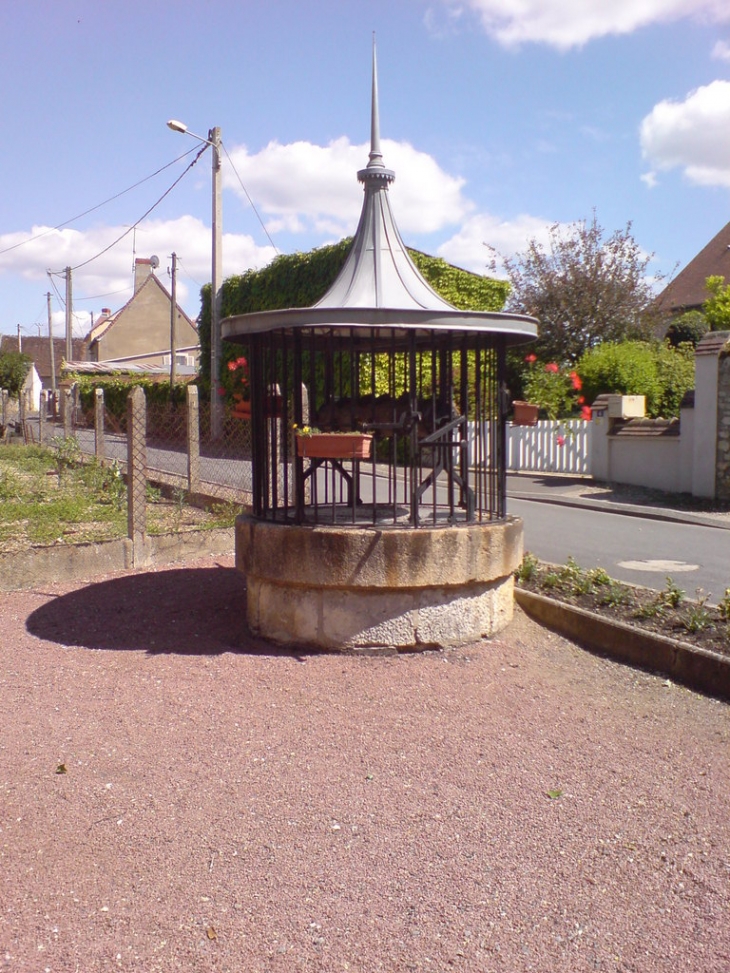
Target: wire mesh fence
179, 448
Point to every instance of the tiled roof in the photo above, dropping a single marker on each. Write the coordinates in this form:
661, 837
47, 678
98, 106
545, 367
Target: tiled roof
687, 291
39, 350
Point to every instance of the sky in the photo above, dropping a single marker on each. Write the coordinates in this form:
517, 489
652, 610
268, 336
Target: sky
499, 117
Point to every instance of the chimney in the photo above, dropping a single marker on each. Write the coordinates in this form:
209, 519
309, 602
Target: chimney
142, 270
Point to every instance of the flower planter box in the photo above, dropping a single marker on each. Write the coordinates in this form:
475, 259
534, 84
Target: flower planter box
241, 408
525, 414
340, 445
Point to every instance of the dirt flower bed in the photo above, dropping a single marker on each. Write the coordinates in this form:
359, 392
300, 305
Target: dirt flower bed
668, 612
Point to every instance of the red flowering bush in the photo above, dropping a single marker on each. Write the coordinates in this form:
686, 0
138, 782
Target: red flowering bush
553, 389
234, 381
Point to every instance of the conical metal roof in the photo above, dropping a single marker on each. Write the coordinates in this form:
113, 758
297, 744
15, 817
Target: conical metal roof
378, 271
379, 286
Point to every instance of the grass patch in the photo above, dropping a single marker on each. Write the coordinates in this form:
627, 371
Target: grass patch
48, 496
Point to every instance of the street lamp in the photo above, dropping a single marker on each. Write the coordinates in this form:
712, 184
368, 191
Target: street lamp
214, 140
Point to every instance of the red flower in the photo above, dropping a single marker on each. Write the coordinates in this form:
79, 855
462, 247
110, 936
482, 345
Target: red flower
586, 413
581, 400
530, 359
232, 366
552, 367
560, 440
575, 381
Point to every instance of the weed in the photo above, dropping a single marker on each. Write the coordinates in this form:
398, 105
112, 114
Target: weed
66, 454
526, 571
615, 595
724, 606
672, 594
697, 616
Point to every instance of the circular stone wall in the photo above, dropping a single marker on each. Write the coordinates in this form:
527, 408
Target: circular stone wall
369, 588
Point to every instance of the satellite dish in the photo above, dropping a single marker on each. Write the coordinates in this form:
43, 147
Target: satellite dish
154, 262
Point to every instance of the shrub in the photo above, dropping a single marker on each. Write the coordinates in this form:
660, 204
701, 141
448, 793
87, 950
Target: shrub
661, 373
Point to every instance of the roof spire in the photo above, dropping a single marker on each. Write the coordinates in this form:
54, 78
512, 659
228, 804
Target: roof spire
376, 158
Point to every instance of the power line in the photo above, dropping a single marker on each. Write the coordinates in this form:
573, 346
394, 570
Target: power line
137, 222
98, 205
253, 207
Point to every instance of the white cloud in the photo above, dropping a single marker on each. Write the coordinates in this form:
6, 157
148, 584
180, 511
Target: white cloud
649, 179
108, 280
721, 51
564, 24
692, 135
301, 187
484, 238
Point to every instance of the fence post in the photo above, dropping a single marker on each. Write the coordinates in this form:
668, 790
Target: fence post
193, 445
137, 475
5, 395
99, 425
67, 414
42, 412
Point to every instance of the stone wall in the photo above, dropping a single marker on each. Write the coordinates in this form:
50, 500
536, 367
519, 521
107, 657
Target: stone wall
722, 483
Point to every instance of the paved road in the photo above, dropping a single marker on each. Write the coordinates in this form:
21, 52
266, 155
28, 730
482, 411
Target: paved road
596, 537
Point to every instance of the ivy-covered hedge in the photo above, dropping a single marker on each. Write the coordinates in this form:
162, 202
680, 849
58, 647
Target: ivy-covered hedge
301, 279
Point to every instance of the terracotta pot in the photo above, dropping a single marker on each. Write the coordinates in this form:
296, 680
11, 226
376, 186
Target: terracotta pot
335, 445
525, 414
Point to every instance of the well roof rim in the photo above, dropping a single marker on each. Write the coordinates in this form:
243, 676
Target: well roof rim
517, 327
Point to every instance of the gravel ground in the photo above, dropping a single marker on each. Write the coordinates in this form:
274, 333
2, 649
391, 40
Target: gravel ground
225, 806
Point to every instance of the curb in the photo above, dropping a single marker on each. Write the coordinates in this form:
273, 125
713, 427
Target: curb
628, 510
84, 562
687, 664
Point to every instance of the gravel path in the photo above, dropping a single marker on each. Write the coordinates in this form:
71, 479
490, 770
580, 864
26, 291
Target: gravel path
228, 807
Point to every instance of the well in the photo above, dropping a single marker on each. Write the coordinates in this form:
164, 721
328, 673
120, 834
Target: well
396, 534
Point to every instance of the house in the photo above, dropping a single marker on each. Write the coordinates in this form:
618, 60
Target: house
140, 331
39, 350
687, 291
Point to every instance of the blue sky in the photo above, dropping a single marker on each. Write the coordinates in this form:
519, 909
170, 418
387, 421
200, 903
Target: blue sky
499, 118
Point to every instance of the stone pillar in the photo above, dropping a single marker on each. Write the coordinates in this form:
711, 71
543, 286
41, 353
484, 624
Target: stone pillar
706, 415
193, 444
99, 450
722, 473
137, 475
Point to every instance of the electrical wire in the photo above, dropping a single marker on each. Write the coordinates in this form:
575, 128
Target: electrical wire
136, 224
253, 207
98, 205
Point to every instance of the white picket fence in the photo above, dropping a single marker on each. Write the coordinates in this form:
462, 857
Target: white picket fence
548, 447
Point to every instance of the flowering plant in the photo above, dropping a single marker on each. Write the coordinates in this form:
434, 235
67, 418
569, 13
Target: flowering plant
553, 389
235, 379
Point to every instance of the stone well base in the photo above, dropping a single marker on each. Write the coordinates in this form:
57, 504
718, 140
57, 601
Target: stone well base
369, 588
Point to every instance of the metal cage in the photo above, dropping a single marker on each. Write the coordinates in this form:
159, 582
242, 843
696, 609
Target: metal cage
428, 407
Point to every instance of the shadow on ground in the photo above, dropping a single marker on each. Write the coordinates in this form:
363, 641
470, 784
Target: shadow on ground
187, 611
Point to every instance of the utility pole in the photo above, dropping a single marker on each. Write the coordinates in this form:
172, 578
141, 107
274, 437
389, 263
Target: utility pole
173, 322
69, 317
216, 418
20, 341
52, 349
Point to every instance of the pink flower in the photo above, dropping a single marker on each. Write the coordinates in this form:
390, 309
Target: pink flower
586, 413
552, 367
560, 440
575, 381
232, 366
530, 359
581, 400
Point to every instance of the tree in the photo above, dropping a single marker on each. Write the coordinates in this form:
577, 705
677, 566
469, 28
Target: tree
688, 327
717, 307
13, 368
584, 289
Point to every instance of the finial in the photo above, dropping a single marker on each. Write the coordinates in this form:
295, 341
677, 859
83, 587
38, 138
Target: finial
376, 158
